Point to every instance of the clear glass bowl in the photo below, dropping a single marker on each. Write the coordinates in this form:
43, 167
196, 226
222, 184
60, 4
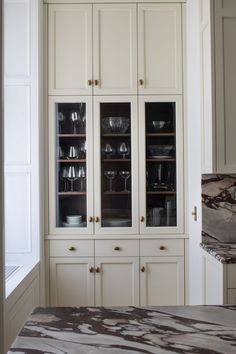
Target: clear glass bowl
115, 124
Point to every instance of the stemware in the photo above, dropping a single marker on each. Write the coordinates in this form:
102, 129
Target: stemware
126, 176
82, 116
110, 175
108, 150
81, 175
72, 176
64, 177
83, 148
75, 120
123, 149
73, 153
61, 118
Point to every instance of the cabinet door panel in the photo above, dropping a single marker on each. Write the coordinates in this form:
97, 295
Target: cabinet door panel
160, 48
115, 48
70, 49
71, 283
117, 283
162, 282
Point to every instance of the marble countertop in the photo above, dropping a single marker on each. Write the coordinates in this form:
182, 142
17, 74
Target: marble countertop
123, 330
223, 252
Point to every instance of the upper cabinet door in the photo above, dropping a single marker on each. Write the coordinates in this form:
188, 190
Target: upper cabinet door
70, 49
115, 49
160, 49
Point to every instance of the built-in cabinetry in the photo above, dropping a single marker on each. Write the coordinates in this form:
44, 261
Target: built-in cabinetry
219, 281
218, 55
116, 160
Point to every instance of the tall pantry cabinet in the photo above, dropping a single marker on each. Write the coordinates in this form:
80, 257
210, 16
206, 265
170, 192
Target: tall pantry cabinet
116, 230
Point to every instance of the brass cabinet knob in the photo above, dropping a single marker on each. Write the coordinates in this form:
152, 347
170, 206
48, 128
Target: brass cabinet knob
91, 269
117, 248
143, 269
141, 82
96, 82
97, 219
162, 248
91, 219
71, 248
90, 82
142, 219
97, 270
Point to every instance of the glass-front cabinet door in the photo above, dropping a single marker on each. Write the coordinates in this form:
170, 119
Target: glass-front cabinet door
161, 164
70, 165
116, 165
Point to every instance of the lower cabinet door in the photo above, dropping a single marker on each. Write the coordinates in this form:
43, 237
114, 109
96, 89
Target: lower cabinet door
72, 281
117, 281
162, 281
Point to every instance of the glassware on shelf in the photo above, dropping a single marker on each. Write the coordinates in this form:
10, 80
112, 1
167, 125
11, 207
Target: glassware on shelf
60, 152
115, 125
61, 119
82, 116
72, 176
108, 150
75, 120
110, 176
81, 175
126, 175
64, 177
73, 153
83, 149
123, 149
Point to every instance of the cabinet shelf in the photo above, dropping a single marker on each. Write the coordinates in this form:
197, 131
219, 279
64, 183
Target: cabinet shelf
160, 160
117, 193
160, 134
115, 135
71, 193
71, 135
116, 160
161, 192
71, 161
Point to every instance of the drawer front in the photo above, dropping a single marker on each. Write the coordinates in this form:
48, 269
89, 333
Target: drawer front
231, 275
71, 248
160, 247
119, 248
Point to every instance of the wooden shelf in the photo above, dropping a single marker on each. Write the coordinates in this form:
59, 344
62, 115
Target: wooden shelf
71, 135
116, 160
161, 192
160, 160
71, 193
117, 193
71, 161
115, 135
160, 134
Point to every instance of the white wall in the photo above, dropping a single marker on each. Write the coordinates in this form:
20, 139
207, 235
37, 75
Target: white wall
194, 150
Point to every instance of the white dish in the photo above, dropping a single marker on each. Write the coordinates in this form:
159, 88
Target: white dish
81, 224
110, 222
160, 157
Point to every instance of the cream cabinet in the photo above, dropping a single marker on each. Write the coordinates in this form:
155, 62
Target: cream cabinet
219, 282
218, 54
98, 49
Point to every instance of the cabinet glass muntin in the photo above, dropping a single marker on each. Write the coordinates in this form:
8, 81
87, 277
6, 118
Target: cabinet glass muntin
116, 168
160, 138
71, 171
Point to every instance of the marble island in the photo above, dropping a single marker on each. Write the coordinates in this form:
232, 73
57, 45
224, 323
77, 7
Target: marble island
98, 330
223, 252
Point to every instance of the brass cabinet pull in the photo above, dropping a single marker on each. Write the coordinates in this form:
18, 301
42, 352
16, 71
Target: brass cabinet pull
141, 82
91, 269
162, 248
117, 248
142, 219
90, 82
143, 269
96, 82
194, 213
91, 219
97, 219
71, 248
97, 270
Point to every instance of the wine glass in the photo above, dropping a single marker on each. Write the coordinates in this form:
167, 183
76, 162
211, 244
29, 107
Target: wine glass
81, 175
61, 118
108, 150
110, 175
123, 149
73, 153
64, 177
83, 148
72, 176
75, 120
126, 175
82, 116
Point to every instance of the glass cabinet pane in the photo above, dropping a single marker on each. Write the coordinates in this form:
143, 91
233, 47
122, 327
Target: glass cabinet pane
71, 171
160, 125
116, 178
